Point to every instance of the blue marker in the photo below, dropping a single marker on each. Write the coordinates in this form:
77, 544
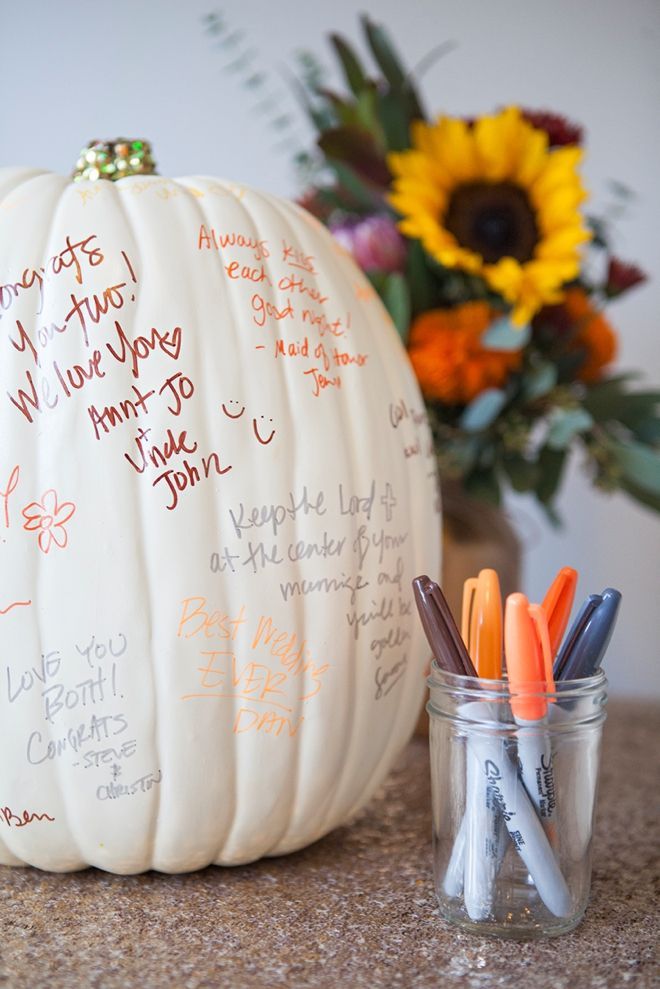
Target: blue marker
589, 637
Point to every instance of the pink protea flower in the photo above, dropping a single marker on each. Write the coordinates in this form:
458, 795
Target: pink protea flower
375, 243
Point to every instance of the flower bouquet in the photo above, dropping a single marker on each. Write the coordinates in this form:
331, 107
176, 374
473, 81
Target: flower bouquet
473, 232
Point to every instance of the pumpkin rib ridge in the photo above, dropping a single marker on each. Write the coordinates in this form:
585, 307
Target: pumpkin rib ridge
216, 855
277, 207
58, 769
329, 818
139, 495
334, 814
75, 860
43, 179
272, 208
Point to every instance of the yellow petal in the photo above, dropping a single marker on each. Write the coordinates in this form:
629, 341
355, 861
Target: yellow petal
454, 146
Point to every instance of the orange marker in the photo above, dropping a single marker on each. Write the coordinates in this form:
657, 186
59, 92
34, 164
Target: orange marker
541, 625
481, 623
528, 659
524, 661
486, 626
557, 605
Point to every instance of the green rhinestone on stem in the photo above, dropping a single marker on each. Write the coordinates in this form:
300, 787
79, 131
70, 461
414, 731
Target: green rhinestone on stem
114, 160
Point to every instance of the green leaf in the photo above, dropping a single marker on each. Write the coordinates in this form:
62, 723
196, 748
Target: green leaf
357, 148
383, 52
366, 110
503, 335
539, 381
644, 497
420, 278
522, 474
397, 302
565, 425
600, 232
353, 71
609, 401
648, 431
483, 410
551, 514
394, 120
484, 484
348, 179
639, 464
551, 464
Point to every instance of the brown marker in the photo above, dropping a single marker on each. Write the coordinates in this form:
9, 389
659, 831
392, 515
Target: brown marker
440, 628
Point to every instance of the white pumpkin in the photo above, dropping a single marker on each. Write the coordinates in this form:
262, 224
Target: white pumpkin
216, 485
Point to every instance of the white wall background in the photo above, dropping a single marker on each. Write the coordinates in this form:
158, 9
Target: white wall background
78, 69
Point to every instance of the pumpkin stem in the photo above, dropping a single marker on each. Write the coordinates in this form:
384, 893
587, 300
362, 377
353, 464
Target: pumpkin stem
114, 160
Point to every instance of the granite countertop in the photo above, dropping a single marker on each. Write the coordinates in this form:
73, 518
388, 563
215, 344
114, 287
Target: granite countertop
357, 909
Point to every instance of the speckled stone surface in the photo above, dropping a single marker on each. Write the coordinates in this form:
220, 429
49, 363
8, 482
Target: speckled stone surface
355, 910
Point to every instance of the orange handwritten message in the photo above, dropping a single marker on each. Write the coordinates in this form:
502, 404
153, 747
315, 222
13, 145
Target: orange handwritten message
284, 292
241, 666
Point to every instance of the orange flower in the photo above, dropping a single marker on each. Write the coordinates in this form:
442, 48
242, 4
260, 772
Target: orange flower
48, 518
446, 352
593, 335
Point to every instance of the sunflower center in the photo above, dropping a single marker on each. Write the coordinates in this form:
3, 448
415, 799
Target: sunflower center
493, 219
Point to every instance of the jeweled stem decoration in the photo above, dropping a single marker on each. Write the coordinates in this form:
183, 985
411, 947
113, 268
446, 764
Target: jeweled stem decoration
114, 160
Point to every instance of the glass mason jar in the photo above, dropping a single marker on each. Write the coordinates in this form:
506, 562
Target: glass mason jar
513, 803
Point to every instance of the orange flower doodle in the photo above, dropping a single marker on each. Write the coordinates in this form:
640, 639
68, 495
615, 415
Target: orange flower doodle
48, 517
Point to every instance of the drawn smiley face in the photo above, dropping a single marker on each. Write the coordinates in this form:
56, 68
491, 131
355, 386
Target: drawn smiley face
255, 430
233, 413
233, 409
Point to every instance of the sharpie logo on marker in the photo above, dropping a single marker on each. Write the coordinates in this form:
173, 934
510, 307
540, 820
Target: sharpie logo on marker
493, 775
546, 780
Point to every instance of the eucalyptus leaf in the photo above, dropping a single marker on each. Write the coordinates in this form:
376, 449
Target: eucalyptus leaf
611, 402
648, 431
646, 498
503, 335
640, 464
397, 302
539, 381
483, 410
565, 425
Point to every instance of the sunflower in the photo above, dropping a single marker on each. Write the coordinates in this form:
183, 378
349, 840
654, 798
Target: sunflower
491, 198
449, 359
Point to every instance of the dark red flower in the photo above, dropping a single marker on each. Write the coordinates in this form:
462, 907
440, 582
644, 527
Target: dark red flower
622, 276
559, 129
311, 201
